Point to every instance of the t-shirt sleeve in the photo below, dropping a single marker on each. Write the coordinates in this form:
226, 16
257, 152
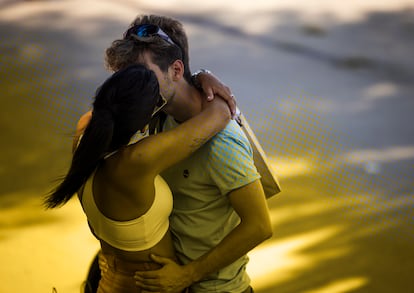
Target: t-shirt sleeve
231, 163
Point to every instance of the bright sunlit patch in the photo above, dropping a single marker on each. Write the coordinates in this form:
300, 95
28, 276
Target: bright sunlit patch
36, 13
288, 167
281, 214
339, 286
380, 91
277, 262
47, 249
387, 155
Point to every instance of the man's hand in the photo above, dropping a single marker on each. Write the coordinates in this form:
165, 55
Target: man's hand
211, 86
170, 278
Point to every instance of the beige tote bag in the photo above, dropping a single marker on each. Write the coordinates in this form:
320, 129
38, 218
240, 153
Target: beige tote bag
268, 177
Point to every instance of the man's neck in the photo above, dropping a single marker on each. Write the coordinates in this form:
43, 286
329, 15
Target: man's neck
187, 103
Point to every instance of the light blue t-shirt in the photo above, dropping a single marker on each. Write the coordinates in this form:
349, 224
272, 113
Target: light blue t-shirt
202, 214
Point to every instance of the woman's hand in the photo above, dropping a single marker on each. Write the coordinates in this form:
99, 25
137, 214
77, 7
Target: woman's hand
80, 128
212, 86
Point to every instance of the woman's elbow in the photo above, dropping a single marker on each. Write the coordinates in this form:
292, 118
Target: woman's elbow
226, 116
223, 112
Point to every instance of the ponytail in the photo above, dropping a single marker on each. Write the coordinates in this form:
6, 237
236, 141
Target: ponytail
123, 104
94, 145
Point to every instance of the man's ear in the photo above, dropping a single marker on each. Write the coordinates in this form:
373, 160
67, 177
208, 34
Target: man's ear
177, 70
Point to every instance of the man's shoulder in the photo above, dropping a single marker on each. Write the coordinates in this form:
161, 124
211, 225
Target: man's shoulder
230, 142
231, 133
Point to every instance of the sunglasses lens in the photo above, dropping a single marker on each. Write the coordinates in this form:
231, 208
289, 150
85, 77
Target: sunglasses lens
146, 30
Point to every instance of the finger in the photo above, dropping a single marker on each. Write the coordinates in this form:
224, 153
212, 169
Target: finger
210, 94
148, 288
145, 275
160, 259
225, 92
232, 105
147, 282
231, 102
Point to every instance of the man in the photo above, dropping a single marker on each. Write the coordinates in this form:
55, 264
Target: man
220, 211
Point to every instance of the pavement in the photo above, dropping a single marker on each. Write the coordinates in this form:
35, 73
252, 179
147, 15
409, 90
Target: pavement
326, 86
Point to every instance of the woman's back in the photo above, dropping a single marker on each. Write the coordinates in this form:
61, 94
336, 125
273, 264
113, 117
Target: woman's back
125, 189
130, 218
126, 211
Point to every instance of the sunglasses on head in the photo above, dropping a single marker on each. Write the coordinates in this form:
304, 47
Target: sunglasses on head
160, 104
148, 30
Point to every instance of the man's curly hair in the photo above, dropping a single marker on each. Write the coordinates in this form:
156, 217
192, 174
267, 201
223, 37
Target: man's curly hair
127, 51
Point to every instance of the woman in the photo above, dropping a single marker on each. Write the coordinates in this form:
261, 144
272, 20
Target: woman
115, 173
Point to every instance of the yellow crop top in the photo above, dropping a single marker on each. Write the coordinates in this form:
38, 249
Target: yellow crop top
134, 235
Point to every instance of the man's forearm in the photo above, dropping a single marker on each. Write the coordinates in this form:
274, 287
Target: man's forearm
254, 228
250, 204
236, 244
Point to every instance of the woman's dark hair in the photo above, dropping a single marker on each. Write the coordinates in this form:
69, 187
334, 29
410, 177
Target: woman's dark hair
122, 106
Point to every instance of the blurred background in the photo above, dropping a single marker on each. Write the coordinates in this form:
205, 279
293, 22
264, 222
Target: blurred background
327, 86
